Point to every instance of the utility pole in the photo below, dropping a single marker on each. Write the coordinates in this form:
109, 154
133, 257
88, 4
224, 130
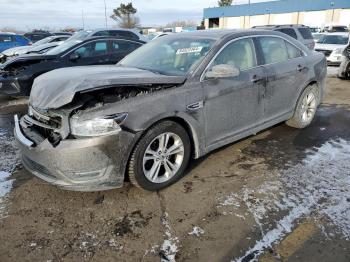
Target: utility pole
105, 13
82, 18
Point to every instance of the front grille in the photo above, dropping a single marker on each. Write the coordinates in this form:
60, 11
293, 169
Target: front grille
45, 125
36, 167
327, 53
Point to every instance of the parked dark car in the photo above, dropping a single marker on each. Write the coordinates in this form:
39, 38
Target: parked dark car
344, 69
12, 40
17, 75
177, 97
37, 35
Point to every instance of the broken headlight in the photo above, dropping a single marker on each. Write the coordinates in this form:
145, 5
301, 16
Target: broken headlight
104, 126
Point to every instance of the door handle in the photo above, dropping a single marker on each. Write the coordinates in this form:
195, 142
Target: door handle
257, 79
300, 68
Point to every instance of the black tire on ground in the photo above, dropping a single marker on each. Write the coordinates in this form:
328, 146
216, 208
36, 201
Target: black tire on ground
135, 167
296, 121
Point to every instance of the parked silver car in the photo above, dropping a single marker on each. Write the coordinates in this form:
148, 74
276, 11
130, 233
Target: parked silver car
176, 98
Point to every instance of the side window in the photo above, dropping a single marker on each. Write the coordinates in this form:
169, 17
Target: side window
306, 33
293, 52
6, 39
124, 46
240, 54
92, 49
288, 31
274, 49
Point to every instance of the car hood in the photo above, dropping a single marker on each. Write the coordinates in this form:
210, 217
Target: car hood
15, 50
328, 47
44, 46
25, 58
58, 87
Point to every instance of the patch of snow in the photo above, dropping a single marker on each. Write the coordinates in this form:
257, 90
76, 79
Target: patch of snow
33, 244
319, 185
196, 231
169, 247
8, 162
231, 200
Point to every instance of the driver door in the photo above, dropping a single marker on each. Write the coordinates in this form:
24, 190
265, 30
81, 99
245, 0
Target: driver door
91, 53
234, 105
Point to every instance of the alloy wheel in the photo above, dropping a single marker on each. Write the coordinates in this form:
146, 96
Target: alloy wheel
163, 157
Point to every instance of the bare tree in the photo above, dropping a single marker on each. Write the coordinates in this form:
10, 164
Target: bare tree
188, 23
225, 2
125, 16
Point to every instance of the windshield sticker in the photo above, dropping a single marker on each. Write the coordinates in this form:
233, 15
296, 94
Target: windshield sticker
196, 49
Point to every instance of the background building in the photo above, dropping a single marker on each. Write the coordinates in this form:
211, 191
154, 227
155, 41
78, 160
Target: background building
315, 13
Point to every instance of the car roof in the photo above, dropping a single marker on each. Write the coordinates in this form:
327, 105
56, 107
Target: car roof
219, 34
281, 26
338, 33
111, 37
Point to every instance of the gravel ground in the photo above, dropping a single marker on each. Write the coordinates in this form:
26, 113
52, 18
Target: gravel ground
282, 195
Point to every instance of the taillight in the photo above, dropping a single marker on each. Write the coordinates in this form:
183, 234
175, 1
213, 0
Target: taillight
30, 43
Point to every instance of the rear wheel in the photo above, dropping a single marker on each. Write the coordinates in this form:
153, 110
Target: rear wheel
160, 157
306, 108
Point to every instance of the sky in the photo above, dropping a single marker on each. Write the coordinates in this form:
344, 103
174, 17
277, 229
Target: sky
29, 14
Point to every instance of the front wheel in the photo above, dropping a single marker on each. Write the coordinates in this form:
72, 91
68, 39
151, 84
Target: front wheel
306, 108
160, 157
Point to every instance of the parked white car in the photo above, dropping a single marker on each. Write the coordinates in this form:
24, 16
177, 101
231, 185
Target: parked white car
332, 45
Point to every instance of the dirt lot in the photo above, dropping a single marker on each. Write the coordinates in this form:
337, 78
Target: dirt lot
283, 195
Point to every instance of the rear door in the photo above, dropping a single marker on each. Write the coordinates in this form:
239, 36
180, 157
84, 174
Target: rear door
233, 105
120, 48
286, 71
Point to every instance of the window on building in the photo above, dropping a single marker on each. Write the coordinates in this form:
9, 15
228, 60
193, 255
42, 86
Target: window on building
214, 22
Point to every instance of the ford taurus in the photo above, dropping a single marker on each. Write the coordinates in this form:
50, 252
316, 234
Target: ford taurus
176, 98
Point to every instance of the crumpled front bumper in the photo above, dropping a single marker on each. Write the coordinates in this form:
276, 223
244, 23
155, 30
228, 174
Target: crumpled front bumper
89, 164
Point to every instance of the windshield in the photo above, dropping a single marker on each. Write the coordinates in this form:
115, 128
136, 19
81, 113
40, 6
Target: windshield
334, 39
169, 55
81, 35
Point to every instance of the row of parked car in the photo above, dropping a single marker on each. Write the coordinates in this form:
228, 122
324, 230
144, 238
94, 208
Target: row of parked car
177, 97
21, 65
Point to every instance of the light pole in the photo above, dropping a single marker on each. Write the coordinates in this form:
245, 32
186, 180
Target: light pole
332, 5
105, 13
82, 18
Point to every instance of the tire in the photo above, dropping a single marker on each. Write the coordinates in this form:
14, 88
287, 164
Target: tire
306, 109
160, 169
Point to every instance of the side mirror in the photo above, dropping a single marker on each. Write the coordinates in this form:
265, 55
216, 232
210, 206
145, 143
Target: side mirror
74, 57
222, 71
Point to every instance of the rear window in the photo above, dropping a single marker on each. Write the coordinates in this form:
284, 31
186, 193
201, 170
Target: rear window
288, 31
306, 33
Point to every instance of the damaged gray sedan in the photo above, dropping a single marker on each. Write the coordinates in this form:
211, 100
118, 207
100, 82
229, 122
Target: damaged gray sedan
176, 98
